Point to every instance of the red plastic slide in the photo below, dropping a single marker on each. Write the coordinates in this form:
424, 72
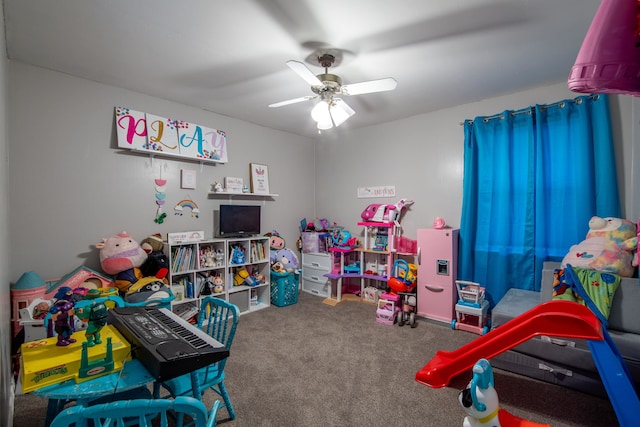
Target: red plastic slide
554, 318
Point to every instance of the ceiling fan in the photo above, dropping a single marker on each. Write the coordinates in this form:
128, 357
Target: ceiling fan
332, 110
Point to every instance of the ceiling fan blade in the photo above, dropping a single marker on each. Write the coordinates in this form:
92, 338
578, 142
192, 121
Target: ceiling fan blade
292, 101
380, 85
340, 111
304, 72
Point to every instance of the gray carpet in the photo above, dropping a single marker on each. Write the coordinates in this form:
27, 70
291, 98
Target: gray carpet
311, 364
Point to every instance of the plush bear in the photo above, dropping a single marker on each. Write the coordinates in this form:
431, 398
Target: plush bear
609, 247
122, 256
156, 259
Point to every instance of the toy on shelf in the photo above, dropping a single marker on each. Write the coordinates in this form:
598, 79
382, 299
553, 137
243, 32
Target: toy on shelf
237, 255
472, 309
377, 212
405, 279
242, 277
218, 285
343, 239
480, 401
354, 267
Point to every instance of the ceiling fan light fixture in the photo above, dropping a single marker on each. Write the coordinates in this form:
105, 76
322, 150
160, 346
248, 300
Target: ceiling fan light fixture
340, 111
320, 113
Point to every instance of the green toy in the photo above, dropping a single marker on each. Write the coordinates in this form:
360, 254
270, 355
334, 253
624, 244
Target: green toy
96, 316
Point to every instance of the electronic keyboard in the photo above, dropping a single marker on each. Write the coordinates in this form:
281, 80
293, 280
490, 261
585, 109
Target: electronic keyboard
167, 345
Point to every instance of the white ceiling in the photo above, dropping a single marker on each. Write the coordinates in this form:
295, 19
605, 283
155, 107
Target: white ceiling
228, 56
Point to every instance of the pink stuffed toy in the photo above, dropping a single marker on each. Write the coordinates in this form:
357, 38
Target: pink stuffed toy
609, 246
122, 256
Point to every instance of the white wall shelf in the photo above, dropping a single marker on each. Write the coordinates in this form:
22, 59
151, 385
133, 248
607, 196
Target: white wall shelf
164, 155
240, 195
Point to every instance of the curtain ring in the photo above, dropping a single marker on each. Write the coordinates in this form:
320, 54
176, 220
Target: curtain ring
596, 96
561, 105
486, 120
578, 101
501, 116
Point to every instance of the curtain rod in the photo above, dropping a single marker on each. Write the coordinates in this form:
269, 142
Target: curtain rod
530, 109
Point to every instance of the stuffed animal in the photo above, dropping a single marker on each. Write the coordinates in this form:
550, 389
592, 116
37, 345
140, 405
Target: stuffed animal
287, 257
156, 259
218, 285
150, 290
216, 187
122, 256
278, 267
609, 247
275, 240
237, 255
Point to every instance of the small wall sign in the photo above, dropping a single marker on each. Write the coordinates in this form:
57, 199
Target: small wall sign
380, 191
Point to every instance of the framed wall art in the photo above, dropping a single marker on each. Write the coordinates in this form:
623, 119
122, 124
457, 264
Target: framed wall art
259, 178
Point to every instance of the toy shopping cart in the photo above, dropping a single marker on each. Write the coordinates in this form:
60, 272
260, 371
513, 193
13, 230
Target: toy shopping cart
472, 309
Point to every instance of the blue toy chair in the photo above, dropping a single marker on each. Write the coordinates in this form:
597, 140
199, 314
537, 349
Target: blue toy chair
141, 412
219, 319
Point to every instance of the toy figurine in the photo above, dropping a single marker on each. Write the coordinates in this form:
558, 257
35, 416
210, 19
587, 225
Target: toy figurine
218, 285
96, 315
62, 316
219, 256
480, 401
64, 293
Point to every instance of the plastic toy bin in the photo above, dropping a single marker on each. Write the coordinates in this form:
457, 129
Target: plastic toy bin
284, 288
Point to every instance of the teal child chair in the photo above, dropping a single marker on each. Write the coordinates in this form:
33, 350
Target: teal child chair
219, 319
140, 412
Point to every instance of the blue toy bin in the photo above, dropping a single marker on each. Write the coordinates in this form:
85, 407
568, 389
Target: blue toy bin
284, 288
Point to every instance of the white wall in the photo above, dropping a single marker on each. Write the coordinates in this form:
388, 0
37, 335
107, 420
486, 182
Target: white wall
422, 156
6, 374
69, 185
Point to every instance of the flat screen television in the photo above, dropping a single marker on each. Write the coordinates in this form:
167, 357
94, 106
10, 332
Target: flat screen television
237, 221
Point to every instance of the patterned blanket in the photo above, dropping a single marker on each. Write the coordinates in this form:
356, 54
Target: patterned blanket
598, 285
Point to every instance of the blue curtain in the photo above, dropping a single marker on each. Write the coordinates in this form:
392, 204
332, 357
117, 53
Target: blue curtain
532, 180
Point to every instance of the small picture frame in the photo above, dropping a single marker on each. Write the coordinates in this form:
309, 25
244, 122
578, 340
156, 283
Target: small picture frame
188, 179
178, 292
259, 178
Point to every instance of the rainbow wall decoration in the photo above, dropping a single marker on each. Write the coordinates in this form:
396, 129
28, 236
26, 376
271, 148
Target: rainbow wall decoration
189, 204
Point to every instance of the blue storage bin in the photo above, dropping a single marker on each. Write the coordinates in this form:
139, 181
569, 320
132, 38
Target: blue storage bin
284, 288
